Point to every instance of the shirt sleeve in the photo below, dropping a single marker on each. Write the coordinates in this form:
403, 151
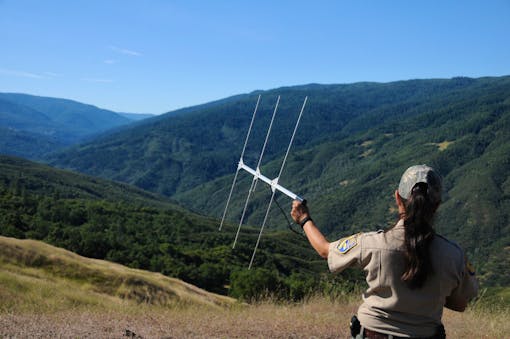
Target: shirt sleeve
468, 286
344, 253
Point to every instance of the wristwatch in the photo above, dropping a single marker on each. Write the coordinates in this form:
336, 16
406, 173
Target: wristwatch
304, 221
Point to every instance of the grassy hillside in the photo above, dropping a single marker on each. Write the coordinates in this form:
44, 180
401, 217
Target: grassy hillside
49, 292
35, 274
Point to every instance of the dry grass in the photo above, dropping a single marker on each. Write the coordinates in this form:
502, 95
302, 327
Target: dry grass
315, 319
367, 143
32, 272
39, 297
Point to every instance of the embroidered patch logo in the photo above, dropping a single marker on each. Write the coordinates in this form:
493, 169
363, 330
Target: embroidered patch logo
347, 244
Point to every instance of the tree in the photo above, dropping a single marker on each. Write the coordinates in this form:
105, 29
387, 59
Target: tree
255, 284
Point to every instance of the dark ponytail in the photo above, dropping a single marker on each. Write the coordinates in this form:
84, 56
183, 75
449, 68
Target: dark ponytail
419, 214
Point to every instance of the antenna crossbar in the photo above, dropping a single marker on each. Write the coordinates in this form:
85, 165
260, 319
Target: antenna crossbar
273, 183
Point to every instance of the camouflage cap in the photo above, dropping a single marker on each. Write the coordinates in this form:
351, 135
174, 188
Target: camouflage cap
417, 174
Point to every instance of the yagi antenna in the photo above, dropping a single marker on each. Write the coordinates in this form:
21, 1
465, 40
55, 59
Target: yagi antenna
273, 183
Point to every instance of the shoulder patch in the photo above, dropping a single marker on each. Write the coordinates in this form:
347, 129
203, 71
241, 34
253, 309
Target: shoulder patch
346, 244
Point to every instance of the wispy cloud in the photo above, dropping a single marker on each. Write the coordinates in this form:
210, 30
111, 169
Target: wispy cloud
98, 80
110, 61
125, 51
52, 74
21, 74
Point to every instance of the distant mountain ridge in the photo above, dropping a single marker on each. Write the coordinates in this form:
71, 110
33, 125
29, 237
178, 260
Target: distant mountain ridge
66, 112
137, 116
36, 125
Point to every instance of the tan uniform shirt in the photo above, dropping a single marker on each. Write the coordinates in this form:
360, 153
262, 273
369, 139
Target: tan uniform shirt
389, 306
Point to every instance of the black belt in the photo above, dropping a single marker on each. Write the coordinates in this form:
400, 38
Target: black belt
369, 334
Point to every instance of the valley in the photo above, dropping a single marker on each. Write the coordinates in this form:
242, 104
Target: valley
353, 143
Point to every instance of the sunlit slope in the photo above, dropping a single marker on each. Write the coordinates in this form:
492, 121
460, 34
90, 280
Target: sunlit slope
178, 151
45, 181
350, 179
37, 275
101, 219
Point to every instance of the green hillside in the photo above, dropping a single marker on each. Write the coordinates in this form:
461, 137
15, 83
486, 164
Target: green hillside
350, 179
106, 220
18, 116
32, 126
176, 152
137, 116
353, 144
27, 144
24, 177
70, 116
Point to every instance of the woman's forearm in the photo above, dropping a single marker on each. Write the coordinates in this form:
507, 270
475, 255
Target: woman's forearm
301, 214
316, 239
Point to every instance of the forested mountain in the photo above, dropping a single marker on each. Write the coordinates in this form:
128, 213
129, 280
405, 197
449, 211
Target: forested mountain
107, 220
24, 177
176, 152
349, 180
33, 126
27, 144
136, 116
353, 144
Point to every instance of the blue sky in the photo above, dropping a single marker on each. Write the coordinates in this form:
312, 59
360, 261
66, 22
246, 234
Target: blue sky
156, 56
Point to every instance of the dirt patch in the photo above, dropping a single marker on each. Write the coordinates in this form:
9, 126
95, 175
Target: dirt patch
442, 146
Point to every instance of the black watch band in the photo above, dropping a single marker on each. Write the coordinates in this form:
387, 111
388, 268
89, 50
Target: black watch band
304, 221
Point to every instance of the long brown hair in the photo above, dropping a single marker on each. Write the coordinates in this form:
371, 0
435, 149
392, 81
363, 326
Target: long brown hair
418, 220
